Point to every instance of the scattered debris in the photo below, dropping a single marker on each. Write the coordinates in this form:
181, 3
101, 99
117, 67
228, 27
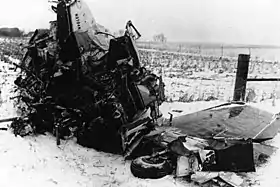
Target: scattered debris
204, 177
78, 80
217, 179
178, 111
7, 120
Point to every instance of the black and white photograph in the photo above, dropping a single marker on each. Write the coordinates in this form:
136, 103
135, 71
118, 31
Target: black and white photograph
130, 93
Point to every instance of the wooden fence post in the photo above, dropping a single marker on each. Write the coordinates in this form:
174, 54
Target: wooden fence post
241, 77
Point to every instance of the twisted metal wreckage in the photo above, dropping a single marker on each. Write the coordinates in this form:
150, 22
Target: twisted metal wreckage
79, 80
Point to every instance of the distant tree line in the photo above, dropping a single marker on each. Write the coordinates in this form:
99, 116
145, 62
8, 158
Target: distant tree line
11, 32
119, 33
160, 38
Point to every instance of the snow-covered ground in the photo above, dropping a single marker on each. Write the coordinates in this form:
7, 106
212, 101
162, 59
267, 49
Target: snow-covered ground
37, 161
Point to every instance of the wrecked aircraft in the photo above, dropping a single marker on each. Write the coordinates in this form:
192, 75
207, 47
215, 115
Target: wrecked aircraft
79, 80
75, 78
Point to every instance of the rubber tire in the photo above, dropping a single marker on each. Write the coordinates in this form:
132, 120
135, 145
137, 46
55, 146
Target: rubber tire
142, 169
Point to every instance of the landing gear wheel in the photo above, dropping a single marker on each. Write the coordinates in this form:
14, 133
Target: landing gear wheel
151, 167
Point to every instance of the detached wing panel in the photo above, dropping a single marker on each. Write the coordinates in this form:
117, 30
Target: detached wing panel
232, 121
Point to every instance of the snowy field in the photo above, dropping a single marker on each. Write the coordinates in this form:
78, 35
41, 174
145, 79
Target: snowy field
37, 161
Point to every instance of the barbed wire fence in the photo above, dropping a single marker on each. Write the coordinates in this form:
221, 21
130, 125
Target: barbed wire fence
223, 88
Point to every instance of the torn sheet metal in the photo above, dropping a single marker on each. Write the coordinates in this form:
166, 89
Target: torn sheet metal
237, 158
203, 177
228, 179
187, 165
230, 121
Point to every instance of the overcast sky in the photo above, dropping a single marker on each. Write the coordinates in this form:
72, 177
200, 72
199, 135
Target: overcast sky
226, 21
